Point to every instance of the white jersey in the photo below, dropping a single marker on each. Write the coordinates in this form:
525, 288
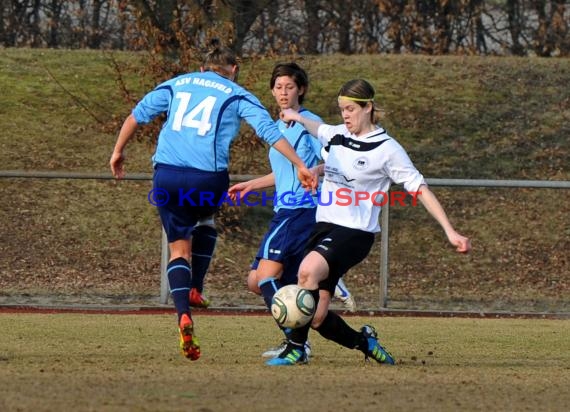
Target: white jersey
358, 174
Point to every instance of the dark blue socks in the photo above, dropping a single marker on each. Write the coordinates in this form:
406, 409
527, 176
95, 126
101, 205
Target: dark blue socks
179, 278
268, 288
203, 245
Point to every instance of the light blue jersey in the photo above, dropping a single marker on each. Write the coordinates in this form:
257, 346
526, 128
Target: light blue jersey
203, 115
290, 193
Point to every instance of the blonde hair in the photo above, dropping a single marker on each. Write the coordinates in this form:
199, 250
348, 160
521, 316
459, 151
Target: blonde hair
361, 92
218, 57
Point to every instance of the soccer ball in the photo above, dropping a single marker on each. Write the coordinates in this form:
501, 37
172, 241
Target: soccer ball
292, 307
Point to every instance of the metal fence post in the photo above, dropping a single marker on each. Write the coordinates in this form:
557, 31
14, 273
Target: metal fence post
384, 267
164, 256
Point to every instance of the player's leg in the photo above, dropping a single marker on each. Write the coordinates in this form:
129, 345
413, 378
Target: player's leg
355, 245
267, 278
204, 238
334, 328
313, 269
344, 248
179, 278
288, 242
179, 214
252, 282
178, 227
267, 267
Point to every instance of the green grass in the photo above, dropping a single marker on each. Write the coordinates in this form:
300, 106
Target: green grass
129, 362
458, 117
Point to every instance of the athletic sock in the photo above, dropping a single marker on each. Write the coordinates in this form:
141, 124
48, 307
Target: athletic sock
298, 336
179, 278
268, 287
203, 245
336, 329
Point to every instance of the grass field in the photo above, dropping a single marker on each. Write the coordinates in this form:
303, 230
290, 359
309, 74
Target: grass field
95, 362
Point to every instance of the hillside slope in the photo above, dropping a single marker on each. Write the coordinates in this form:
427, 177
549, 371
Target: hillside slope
459, 117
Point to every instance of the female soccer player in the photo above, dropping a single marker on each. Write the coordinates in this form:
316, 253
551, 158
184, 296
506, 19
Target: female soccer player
282, 248
203, 114
362, 158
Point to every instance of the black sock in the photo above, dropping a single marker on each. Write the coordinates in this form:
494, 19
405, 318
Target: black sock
179, 278
203, 245
299, 336
336, 329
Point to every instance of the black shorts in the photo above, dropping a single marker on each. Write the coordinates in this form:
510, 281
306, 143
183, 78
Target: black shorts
342, 248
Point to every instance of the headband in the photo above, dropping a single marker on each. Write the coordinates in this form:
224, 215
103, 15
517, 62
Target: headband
356, 99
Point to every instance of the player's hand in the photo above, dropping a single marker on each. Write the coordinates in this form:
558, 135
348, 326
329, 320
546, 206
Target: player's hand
462, 244
308, 179
289, 116
239, 191
116, 163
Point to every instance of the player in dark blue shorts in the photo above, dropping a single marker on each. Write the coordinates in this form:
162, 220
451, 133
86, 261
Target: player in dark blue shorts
203, 116
283, 246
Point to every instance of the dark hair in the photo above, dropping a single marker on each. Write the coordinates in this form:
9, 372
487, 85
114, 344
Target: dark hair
294, 71
218, 55
359, 89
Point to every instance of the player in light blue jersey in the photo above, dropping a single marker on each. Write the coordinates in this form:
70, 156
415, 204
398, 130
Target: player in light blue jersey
283, 246
203, 115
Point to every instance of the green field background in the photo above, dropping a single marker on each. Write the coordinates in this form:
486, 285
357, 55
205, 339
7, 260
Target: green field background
89, 362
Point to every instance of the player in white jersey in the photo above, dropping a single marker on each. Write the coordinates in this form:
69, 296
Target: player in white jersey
363, 161
203, 115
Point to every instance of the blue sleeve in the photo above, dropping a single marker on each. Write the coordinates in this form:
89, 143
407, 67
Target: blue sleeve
316, 146
154, 103
256, 115
314, 141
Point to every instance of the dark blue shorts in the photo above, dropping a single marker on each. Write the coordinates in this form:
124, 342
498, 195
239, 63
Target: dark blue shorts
286, 240
185, 195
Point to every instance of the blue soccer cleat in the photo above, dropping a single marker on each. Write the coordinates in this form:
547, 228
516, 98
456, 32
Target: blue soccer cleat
374, 349
292, 355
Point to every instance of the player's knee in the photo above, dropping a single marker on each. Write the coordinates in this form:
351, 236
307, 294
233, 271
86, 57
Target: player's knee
208, 221
305, 278
252, 282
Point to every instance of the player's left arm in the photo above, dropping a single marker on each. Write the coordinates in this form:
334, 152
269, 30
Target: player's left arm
241, 189
432, 205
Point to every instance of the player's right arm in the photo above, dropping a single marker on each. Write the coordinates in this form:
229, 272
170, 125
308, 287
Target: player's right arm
257, 116
127, 132
312, 125
152, 104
